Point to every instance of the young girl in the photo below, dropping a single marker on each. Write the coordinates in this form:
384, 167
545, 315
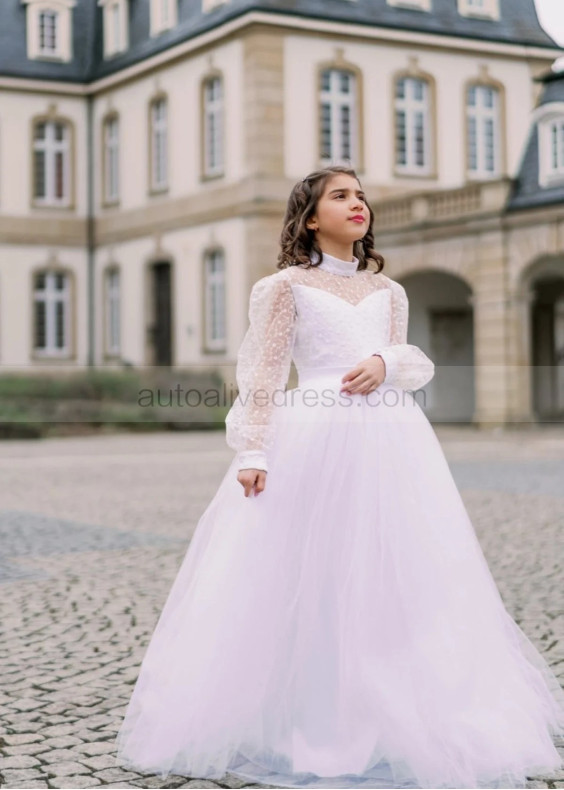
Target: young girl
334, 622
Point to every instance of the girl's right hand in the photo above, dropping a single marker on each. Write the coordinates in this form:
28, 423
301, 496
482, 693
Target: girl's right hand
252, 478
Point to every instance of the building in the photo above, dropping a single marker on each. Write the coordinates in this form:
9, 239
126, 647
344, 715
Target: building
147, 149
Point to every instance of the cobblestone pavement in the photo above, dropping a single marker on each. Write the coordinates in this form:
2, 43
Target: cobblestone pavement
82, 520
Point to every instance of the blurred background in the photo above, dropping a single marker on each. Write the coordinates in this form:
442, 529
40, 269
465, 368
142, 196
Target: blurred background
147, 150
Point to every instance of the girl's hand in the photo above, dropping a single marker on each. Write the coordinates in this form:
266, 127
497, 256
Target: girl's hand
252, 478
366, 377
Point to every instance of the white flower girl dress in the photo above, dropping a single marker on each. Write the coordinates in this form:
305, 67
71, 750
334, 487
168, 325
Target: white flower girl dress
342, 628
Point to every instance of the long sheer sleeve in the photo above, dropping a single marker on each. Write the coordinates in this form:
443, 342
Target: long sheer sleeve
407, 366
263, 366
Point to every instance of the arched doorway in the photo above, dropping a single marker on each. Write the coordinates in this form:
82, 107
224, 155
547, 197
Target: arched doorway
441, 323
547, 346
159, 326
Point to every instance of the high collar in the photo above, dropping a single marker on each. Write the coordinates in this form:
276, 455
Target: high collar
337, 266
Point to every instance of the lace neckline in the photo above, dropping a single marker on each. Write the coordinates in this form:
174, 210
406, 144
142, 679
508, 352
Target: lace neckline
337, 266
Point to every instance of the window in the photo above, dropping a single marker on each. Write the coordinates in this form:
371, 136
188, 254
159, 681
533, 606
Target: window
116, 28
551, 150
418, 5
159, 144
49, 29
412, 126
112, 312
111, 159
483, 131
214, 301
51, 336
51, 163
48, 32
163, 15
338, 130
213, 126
487, 9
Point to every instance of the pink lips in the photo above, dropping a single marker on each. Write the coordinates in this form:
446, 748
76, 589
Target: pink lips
358, 218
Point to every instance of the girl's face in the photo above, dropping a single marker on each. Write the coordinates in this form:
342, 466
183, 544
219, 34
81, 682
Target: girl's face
342, 216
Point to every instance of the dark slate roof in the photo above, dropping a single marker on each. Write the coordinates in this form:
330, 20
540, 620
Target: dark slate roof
519, 24
526, 191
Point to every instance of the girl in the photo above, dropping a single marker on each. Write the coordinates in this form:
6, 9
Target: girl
335, 624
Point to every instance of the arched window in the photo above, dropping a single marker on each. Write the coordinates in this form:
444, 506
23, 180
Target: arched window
213, 126
338, 117
483, 131
51, 162
112, 312
110, 158
413, 125
52, 307
551, 146
158, 137
214, 301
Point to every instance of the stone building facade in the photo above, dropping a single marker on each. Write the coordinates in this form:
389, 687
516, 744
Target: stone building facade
147, 149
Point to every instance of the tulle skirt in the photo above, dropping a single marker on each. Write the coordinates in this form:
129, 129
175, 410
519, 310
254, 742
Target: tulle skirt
342, 628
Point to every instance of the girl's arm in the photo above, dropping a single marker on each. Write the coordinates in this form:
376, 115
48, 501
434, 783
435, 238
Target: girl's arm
263, 365
407, 366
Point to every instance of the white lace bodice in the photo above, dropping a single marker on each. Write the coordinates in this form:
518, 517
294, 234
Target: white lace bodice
324, 317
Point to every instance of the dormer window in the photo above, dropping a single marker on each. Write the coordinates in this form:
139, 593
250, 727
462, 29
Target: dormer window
415, 5
209, 5
551, 150
486, 9
49, 29
116, 28
163, 15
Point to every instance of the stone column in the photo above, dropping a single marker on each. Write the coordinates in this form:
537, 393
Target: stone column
490, 333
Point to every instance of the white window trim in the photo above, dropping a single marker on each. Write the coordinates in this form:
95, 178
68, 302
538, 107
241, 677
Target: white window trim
410, 106
548, 175
63, 9
215, 282
110, 131
50, 296
484, 9
213, 110
159, 130
51, 147
161, 21
417, 5
111, 45
336, 100
209, 5
112, 295
480, 114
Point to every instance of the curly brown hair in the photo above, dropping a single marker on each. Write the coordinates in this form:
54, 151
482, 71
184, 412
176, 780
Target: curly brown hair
297, 242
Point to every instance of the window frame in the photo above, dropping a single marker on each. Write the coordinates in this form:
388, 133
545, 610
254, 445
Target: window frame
330, 98
409, 107
50, 351
51, 149
210, 280
115, 41
157, 187
158, 23
412, 5
62, 11
552, 117
480, 115
217, 112
489, 10
110, 147
112, 301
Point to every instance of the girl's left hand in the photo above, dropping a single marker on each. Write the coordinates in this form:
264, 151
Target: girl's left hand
365, 377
